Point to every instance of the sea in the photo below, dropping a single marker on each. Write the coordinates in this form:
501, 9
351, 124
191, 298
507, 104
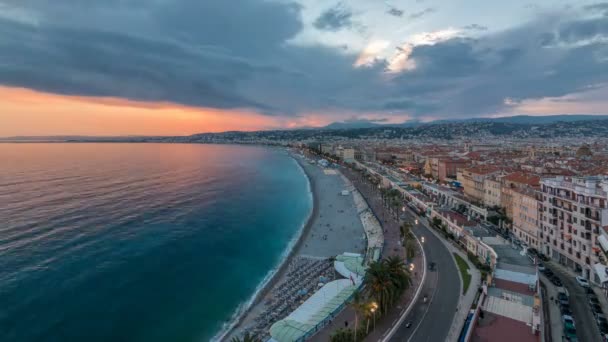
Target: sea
140, 242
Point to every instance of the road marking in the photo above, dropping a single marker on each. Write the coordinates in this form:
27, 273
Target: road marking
427, 307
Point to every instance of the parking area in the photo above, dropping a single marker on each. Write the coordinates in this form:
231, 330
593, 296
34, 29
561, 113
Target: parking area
575, 311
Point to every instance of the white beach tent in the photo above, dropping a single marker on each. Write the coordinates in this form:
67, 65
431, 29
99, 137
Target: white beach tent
313, 311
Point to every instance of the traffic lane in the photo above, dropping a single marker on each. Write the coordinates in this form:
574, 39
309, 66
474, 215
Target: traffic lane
586, 329
417, 314
437, 324
432, 321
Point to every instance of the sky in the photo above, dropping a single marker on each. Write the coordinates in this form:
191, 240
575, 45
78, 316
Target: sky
177, 67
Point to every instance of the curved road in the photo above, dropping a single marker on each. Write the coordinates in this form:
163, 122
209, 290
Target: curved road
431, 321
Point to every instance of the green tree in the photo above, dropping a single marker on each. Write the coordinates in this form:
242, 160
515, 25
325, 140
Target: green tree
246, 338
410, 249
398, 272
405, 231
342, 335
359, 305
385, 281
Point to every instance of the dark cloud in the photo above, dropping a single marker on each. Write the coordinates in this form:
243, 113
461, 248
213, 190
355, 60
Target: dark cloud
395, 12
600, 7
423, 13
475, 27
575, 31
334, 19
236, 54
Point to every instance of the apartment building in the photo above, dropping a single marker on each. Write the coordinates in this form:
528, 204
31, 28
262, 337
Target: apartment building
511, 182
492, 187
573, 217
472, 180
447, 168
525, 216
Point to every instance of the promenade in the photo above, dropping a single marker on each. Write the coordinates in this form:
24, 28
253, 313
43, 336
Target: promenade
392, 247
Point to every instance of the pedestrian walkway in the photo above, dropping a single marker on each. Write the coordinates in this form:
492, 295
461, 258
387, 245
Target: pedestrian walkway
392, 246
555, 316
466, 300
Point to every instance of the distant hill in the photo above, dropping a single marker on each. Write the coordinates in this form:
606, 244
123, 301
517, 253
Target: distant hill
517, 119
355, 124
532, 120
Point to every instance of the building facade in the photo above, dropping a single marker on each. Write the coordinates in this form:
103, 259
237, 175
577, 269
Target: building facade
525, 216
448, 168
472, 180
491, 197
573, 216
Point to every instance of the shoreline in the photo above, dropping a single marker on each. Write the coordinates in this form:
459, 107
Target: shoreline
277, 273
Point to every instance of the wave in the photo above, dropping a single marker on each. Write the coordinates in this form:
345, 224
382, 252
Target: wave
245, 306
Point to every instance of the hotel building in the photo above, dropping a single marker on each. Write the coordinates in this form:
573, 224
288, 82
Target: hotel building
573, 216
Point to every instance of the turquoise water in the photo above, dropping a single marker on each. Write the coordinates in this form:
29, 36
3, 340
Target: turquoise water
139, 242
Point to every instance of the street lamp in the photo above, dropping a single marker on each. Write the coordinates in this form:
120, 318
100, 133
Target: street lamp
374, 307
416, 221
422, 239
412, 266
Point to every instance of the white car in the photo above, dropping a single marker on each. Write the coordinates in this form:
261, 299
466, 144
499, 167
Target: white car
582, 281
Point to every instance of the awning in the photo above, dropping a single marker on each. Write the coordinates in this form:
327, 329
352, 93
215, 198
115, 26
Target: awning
600, 270
603, 242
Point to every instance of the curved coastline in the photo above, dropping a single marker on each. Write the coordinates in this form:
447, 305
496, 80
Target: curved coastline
276, 273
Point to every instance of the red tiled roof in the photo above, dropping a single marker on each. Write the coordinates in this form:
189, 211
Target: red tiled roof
495, 328
523, 178
483, 169
513, 286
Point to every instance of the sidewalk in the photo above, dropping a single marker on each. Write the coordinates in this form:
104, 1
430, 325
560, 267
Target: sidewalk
392, 246
555, 316
466, 300
598, 292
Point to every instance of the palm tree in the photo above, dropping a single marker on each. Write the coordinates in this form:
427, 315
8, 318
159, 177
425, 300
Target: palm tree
246, 338
358, 304
405, 231
379, 284
398, 273
410, 249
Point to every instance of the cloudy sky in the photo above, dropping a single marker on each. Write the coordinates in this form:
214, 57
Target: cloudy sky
185, 66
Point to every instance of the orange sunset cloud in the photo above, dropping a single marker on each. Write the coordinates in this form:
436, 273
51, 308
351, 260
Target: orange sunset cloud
28, 112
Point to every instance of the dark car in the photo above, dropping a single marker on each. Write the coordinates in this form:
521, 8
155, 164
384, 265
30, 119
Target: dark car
596, 309
593, 301
555, 280
543, 257
547, 272
591, 295
561, 296
565, 311
603, 328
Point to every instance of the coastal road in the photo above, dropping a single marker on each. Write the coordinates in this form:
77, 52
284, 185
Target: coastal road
431, 321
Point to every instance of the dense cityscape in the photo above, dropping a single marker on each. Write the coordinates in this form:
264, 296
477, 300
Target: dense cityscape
304, 171
528, 206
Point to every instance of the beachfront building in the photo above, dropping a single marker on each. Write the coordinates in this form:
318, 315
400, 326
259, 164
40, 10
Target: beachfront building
511, 183
472, 180
511, 302
316, 312
525, 216
491, 187
574, 219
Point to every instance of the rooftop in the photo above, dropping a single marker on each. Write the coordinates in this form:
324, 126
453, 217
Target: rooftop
497, 328
523, 178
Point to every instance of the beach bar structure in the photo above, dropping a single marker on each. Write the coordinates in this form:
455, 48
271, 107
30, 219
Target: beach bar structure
315, 313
